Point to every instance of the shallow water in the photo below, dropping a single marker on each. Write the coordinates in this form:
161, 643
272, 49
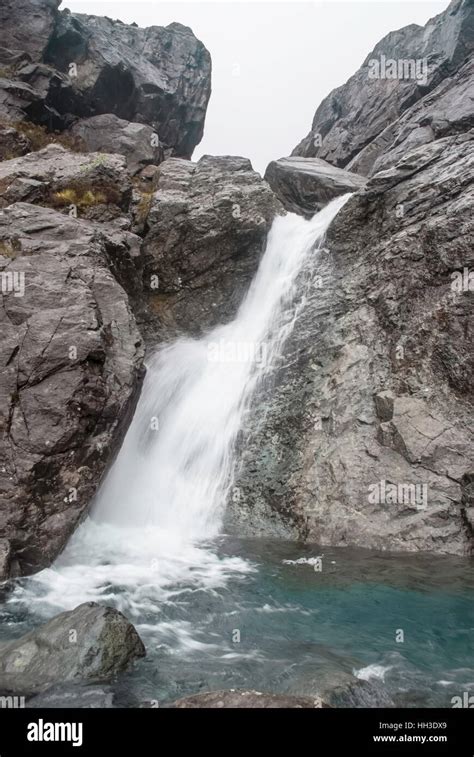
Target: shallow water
246, 615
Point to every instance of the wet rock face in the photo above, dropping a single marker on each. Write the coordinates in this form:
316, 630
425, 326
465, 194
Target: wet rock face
367, 434
137, 142
306, 185
71, 368
88, 644
27, 24
62, 179
207, 229
57, 67
349, 126
159, 76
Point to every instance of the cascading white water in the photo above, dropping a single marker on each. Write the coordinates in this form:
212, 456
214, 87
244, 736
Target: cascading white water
176, 462
167, 489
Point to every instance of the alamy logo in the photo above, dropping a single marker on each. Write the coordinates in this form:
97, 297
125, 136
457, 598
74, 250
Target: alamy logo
12, 703
465, 701
462, 281
12, 282
42, 731
225, 351
400, 68
384, 493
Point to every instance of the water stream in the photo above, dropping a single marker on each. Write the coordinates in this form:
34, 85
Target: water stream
152, 545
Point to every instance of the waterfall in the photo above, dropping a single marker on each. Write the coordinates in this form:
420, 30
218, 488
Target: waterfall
177, 460
165, 495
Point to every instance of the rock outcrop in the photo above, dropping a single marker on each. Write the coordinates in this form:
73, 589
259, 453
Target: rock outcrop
57, 67
408, 64
366, 438
58, 178
28, 25
367, 433
87, 106
88, 644
247, 699
133, 140
306, 185
207, 229
71, 368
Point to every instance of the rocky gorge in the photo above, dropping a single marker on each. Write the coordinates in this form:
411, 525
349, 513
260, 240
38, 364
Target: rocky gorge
114, 243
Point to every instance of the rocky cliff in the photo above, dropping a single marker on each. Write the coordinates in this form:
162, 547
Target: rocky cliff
70, 266
360, 119
366, 438
108, 234
112, 238
58, 67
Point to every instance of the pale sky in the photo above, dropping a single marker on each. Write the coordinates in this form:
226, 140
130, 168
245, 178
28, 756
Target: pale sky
273, 62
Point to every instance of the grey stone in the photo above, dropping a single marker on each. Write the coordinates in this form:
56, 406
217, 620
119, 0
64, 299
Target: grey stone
90, 643
60, 178
133, 140
349, 120
306, 185
5, 557
70, 371
375, 384
27, 24
159, 76
207, 229
12, 143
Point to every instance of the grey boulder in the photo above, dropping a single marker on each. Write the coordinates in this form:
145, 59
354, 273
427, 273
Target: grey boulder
159, 76
88, 644
27, 24
306, 185
71, 364
207, 229
137, 142
65, 180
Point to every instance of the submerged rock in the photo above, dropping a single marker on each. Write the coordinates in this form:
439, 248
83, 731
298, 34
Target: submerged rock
89, 643
73, 696
247, 699
71, 368
306, 185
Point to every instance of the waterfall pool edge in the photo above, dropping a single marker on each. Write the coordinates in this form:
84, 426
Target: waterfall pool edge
267, 615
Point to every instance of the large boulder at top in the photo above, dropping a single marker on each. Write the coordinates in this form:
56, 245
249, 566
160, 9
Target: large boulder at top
27, 24
364, 436
57, 67
306, 185
60, 178
159, 76
234, 698
70, 372
137, 142
207, 229
405, 66
89, 643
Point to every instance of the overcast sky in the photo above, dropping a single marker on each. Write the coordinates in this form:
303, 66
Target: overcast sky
273, 62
